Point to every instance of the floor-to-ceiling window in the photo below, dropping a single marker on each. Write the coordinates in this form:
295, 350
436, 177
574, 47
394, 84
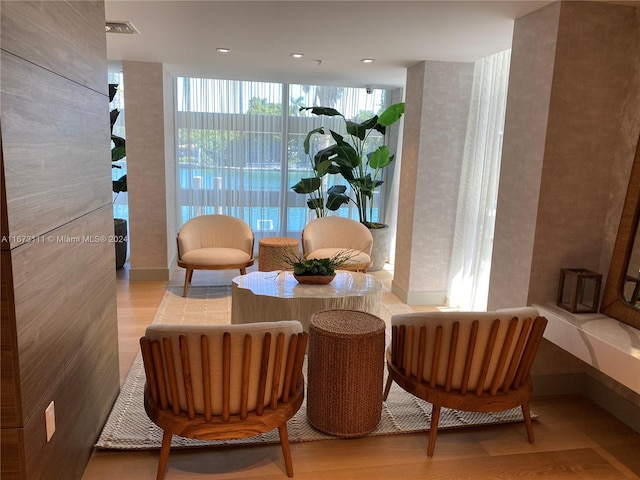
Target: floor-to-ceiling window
478, 195
240, 147
119, 168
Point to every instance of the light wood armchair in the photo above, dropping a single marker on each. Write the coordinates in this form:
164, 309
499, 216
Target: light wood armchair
223, 382
214, 242
472, 361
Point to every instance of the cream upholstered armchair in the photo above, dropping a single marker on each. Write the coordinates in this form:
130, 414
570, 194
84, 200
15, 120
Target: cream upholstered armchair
327, 236
214, 242
473, 361
220, 382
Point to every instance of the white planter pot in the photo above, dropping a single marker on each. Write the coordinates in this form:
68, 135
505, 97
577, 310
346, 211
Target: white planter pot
120, 241
380, 253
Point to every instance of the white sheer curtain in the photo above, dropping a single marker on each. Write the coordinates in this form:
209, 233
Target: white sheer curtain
230, 150
475, 221
391, 188
240, 147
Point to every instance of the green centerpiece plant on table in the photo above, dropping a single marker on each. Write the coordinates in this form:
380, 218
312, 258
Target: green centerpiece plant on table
315, 270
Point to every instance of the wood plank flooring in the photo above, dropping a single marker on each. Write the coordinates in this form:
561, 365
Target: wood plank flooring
575, 439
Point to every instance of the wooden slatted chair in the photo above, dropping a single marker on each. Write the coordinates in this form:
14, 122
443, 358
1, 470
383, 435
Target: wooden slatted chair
472, 361
223, 382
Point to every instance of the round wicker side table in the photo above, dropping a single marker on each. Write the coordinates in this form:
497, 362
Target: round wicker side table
269, 252
345, 371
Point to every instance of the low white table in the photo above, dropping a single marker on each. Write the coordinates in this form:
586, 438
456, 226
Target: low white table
603, 342
273, 296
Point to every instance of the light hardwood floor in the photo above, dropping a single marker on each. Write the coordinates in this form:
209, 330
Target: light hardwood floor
575, 439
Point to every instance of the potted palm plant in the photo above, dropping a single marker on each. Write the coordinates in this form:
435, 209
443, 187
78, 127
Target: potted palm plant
118, 152
351, 157
320, 200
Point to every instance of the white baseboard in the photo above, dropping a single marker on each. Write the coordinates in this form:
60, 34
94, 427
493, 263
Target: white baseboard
148, 274
418, 298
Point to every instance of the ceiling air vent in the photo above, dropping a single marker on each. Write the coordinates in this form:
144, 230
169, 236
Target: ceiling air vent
120, 27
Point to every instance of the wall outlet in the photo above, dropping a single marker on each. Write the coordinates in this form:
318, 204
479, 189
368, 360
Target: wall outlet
50, 420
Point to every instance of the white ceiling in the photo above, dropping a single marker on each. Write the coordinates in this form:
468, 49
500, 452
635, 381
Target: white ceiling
333, 35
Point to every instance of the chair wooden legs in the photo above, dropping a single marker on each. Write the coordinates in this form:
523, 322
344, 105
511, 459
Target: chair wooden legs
433, 431
286, 449
284, 443
243, 271
187, 281
387, 388
435, 418
526, 414
164, 455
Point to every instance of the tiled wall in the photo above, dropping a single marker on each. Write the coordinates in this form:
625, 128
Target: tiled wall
170, 168
146, 157
530, 80
573, 117
572, 124
438, 98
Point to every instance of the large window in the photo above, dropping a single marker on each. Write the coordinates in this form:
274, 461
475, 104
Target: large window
240, 148
119, 168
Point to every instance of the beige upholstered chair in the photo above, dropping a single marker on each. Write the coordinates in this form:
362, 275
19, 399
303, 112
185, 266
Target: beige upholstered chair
472, 361
326, 236
214, 242
223, 382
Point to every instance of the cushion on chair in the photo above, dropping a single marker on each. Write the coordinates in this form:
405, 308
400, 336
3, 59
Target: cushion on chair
215, 231
357, 257
215, 334
432, 319
215, 256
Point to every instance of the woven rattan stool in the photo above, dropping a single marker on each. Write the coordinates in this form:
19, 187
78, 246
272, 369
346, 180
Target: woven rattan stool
345, 370
269, 256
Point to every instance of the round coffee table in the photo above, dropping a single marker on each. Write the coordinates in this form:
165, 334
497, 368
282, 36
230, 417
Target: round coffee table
273, 296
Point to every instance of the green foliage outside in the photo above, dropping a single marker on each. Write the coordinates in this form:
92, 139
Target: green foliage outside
214, 149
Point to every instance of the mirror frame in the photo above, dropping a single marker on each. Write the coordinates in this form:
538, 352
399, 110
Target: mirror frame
613, 302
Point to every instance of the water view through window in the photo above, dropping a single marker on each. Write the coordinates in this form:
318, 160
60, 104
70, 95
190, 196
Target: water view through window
240, 152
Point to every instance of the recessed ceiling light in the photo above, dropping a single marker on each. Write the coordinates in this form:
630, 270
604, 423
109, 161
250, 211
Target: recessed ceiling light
223, 50
297, 55
367, 60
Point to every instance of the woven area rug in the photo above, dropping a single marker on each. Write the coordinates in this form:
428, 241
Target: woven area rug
129, 428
